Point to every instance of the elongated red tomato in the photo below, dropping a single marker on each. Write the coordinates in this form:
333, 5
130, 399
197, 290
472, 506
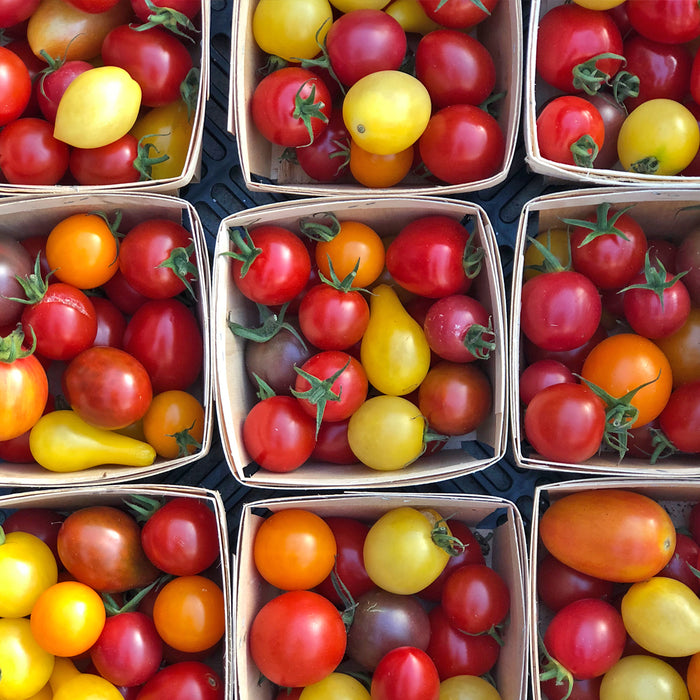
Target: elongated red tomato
614, 534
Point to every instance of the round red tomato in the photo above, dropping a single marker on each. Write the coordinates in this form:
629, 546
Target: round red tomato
291, 106
560, 310
565, 423
184, 680
279, 434
458, 14
157, 258
470, 135
587, 637
155, 58
340, 374
332, 444
455, 398
455, 68
53, 83
363, 41
570, 130
63, 320
680, 419
326, 159
541, 374
269, 264
107, 387
112, 164
670, 21
331, 318
405, 673
570, 35
475, 598
297, 638
29, 153
111, 323
181, 537
427, 257
165, 337
16, 11
15, 86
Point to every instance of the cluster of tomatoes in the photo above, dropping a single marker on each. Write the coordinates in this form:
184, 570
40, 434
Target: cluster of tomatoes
406, 602
96, 92
631, 84
610, 326
349, 107
617, 588
100, 344
112, 602
370, 350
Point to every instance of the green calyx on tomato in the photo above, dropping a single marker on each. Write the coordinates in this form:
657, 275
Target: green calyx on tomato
604, 223
550, 262
34, 286
472, 257
655, 279
646, 166
320, 392
169, 19
314, 228
480, 340
620, 414
243, 242
183, 268
588, 77
307, 108
624, 85
270, 325
443, 538
144, 162
552, 669
11, 346
584, 151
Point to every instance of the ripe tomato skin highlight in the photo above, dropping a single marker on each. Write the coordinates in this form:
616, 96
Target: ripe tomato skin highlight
565, 422
614, 534
294, 549
407, 673
297, 638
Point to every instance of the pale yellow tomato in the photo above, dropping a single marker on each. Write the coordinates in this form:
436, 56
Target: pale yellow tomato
349, 5
411, 16
292, 29
386, 111
98, 107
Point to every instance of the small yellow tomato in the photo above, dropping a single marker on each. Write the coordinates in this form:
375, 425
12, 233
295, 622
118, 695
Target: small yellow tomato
98, 107
26, 667
387, 433
386, 111
27, 569
169, 130
642, 677
339, 686
411, 16
292, 29
88, 686
659, 137
467, 688
556, 240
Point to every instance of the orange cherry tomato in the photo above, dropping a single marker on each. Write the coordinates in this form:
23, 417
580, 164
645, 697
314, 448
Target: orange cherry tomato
82, 251
189, 613
621, 363
682, 349
373, 170
294, 549
355, 241
67, 618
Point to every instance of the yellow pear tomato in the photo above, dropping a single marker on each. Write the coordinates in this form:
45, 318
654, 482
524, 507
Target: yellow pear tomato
97, 108
26, 667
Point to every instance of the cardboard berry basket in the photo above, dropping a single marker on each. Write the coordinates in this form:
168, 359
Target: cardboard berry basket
495, 518
675, 496
261, 166
169, 181
666, 214
24, 216
235, 394
68, 499
536, 93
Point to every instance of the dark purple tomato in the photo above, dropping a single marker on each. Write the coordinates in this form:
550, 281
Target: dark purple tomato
15, 262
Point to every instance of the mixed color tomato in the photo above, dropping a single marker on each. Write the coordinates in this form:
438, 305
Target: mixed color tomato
97, 92
101, 346
607, 314
371, 346
395, 607
618, 85
377, 93
87, 609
